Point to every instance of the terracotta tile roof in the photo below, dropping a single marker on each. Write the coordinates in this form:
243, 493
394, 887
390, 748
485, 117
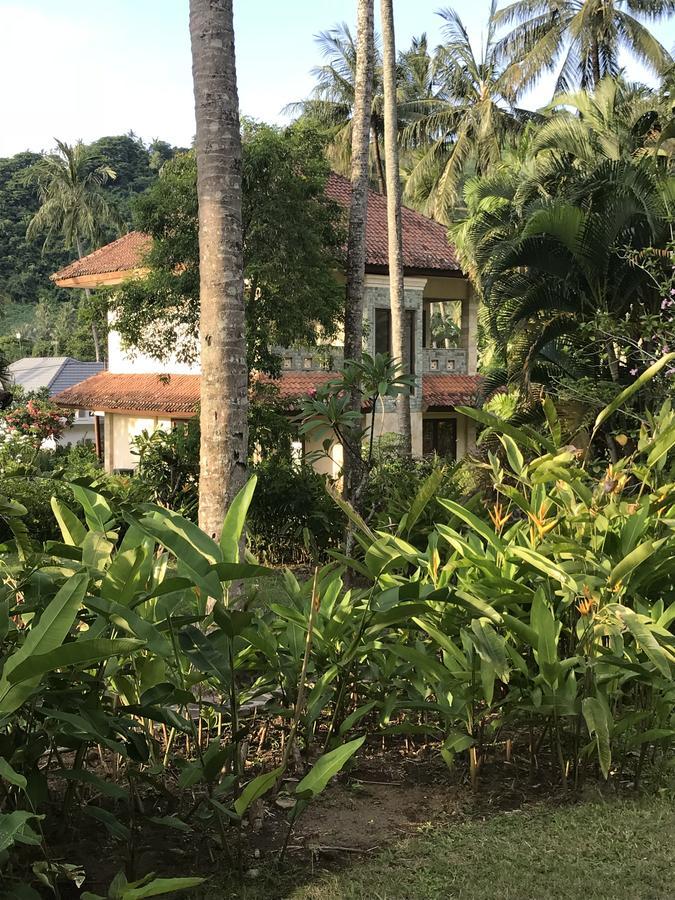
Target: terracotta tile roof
145, 393
176, 394
425, 242
441, 391
167, 394
121, 255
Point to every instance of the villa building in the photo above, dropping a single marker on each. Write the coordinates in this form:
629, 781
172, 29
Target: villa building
139, 393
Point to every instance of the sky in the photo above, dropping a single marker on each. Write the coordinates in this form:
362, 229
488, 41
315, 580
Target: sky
81, 69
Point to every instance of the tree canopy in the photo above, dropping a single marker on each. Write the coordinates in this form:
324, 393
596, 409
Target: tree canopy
293, 240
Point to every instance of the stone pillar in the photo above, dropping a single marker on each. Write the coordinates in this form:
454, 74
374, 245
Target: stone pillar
470, 330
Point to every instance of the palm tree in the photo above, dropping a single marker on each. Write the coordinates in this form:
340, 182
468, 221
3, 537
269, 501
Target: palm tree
465, 125
224, 379
73, 206
583, 37
358, 213
569, 262
616, 120
400, 346
332, 102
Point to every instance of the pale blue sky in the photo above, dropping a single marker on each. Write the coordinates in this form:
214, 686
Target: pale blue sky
84, 68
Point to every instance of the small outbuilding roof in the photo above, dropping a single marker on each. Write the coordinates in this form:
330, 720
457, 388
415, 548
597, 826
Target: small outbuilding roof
57, 373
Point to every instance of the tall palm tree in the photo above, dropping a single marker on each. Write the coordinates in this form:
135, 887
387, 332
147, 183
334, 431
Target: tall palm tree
224, 379
464, 127
400, 345
73, 206
332, 101
358, 214
583, 37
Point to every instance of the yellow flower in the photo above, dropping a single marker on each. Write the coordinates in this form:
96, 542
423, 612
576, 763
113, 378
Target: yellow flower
587, 606
539, 520
498, 517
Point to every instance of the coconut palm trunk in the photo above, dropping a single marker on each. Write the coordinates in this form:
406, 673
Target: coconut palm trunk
224, 379
87, 294
400, 345
358, 213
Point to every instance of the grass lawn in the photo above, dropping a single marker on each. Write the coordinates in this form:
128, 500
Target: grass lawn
614, 850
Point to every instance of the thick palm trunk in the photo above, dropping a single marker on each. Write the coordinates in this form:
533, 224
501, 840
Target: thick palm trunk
87, 294
358, 212
224, 379
399, 344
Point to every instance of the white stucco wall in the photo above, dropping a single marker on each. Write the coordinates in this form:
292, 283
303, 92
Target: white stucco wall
123, 361
120, 431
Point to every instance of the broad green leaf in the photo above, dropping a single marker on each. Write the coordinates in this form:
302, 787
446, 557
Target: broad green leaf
661, 447
647, 640
129, 620
14, 828
326, 767
8, 774
634, 559
96, 508
356, 716
50, 631
424, 496
255, 789
490, 647
195, 552
478, 525
351, 514
159, 886
96, 550
72, 529
513, 454
596, 716
116, 828
235, 520
631, 390
540, 562
524, 436
82, 653
228, 571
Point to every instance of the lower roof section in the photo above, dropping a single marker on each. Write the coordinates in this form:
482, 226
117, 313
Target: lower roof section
178, 395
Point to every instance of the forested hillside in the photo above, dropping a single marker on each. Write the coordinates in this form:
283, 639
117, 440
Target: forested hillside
36, 317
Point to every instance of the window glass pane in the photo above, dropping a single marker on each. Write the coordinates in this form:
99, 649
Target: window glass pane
444, 324
440, 436
446, 443
383, 331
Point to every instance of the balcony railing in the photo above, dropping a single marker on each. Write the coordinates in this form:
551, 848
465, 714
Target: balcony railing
311, 359
443, 360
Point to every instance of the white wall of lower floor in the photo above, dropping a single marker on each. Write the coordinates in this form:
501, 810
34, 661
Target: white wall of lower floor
122, 428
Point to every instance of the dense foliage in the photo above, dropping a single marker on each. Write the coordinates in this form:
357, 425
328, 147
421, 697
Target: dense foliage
543, 622
292, 243
26, 263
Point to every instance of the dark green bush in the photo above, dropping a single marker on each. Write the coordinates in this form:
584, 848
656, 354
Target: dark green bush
292, 519
395, 481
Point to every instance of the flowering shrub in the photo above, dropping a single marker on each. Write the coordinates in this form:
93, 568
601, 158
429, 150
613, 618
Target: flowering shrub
34, 422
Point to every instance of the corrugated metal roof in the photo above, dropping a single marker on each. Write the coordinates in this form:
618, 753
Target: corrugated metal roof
54, 372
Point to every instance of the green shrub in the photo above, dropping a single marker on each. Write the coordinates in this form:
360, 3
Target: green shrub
292, 519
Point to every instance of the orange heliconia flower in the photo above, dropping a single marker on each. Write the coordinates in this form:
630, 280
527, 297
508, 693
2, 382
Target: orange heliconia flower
498, 516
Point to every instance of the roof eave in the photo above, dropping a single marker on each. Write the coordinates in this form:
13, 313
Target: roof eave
419, 271
102, 279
